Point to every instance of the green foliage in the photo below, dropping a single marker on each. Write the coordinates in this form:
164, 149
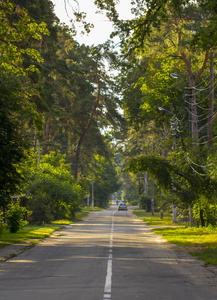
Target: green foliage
105, 180
2, 225
158, 41
15, 216
40, 206
53, 193
175, 177
14, 112
46, 76
129, 189
145, 203
205, 212
16, 27
158, 166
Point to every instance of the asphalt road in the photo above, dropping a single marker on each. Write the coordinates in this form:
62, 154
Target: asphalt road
111, 255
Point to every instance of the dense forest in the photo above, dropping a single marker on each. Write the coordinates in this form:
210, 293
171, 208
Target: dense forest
137, 123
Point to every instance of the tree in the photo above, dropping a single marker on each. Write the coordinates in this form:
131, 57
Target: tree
179, 24
14, 139
15, 109
17, 27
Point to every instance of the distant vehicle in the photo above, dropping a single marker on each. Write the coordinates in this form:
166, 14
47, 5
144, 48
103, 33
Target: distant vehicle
122, 206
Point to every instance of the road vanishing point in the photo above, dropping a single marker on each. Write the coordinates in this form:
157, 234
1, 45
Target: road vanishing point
109, 255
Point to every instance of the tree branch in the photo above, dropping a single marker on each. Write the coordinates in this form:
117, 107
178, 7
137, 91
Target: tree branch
208, 123
204, 65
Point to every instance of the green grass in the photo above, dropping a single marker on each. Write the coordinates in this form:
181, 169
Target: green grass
155, 220
34, 232
62, 222
78, 216
200, 242
84, 212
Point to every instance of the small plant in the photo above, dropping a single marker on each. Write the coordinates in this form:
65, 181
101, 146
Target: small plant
15, 215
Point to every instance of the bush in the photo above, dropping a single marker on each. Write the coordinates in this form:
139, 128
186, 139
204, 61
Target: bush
134, 202
40, 207
51, 199
52, 193
15, 215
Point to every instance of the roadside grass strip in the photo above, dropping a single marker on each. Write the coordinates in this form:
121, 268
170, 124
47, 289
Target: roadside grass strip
155, 220
200, 242
84, 212
34, 233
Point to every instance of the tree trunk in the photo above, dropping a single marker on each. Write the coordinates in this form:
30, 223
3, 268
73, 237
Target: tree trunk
193, 119
191, 220
211, 100
193, 109
78, 149
47, 130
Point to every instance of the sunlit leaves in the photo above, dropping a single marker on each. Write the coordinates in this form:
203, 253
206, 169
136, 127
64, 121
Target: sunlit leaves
15, 28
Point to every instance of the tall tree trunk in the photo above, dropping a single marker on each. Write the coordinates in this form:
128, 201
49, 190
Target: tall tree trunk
193, 102
193, 109
84, 133
47, 130
211, 100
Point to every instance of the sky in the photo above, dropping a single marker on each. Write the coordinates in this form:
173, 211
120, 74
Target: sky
102, 26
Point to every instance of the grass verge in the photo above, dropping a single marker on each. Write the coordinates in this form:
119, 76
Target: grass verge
199, 242
155, 220
81, 214
34, 233
78, 216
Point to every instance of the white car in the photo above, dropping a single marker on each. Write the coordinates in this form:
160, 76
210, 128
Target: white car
122, 206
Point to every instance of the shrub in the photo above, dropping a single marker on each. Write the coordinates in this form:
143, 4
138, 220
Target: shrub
50, 198
15, 215
40, 207
134, 202
52, 193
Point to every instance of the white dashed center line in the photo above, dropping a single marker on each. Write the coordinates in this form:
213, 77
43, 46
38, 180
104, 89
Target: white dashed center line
108, 280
